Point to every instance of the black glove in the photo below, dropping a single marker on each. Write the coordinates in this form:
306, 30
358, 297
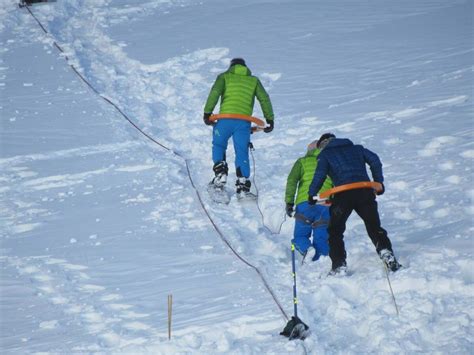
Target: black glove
289, 209
206, 119
381, 192
311, 201
269, 128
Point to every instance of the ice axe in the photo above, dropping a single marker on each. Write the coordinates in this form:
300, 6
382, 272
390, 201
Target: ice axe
295, 328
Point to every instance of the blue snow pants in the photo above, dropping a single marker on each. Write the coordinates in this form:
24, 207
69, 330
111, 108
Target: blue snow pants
303, 230
239, 130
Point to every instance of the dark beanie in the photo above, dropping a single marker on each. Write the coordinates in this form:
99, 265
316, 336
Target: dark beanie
235, 61
325, 137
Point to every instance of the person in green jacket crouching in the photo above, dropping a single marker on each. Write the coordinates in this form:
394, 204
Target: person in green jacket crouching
309, 220
236, 88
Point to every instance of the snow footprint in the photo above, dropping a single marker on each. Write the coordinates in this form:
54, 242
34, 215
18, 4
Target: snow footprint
62, 283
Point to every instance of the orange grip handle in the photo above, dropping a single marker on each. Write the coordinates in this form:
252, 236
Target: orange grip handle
259, 122
377, 186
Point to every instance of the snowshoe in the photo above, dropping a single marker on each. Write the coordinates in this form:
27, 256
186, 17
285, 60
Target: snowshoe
296, 329
218, 193
308, 256
243, 190
389, 260
246, 196
216, 187
340, 270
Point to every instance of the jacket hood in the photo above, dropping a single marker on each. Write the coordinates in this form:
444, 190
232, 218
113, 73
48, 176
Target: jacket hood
313, 152
339, 142
239, 70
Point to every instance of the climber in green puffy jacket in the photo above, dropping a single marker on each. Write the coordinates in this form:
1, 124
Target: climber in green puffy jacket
309, 219
237, 89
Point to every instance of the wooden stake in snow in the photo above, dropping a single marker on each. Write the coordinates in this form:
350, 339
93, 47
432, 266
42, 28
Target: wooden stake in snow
170, 312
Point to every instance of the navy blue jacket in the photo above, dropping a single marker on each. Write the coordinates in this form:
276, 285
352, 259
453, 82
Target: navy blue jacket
344, 163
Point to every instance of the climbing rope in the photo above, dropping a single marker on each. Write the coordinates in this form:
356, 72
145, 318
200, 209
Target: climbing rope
258, 197
126, 117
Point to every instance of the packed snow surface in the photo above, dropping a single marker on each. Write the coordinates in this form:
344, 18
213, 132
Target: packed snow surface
102, 220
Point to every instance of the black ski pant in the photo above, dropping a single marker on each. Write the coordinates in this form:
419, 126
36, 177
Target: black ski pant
363, 202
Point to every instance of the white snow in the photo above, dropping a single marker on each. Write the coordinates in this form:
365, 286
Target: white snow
99, 225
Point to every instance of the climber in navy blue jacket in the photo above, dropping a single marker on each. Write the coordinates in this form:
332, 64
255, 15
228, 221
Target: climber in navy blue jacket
345, 163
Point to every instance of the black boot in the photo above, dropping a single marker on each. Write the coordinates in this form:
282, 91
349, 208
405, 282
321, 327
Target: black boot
389, 260
220, 171
339, 269
243, 188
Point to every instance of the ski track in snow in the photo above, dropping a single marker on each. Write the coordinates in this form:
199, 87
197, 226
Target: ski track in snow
354, 314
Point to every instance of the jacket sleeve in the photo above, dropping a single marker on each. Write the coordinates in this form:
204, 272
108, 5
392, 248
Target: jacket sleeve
264, 100
292, 182
319, 175
375, 165
216, 91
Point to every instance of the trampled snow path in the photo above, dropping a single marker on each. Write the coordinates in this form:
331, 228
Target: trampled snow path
95, 200
429, 224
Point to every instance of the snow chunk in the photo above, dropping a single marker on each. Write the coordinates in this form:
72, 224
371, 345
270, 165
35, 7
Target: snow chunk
136, 326
49, 324
453, 179
92, 288
414, 83
399, 185
393, 141
408, 112
447, 165
414, 130
271, 76
110, 339
139, 199
432, 148
59, 300
456, 100
426, 204
206, 247
75, 267
468, 154
110, 297
441, 213
22, 228
131, 169
405, 215
119, 306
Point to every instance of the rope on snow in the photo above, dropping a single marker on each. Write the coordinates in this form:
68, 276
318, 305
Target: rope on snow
214, 224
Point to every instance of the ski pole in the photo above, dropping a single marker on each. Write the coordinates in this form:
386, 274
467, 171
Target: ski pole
295, 328
390, 286
293, 266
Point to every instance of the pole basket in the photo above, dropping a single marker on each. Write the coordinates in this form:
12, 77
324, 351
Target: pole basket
296, 329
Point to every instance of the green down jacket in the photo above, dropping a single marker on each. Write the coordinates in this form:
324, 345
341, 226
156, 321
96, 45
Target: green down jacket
237, 88
301, 176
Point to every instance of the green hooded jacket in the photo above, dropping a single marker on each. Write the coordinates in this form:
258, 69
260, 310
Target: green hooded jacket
237, 88
301, 176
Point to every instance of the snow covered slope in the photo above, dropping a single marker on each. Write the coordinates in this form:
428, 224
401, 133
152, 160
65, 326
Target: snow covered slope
99, 223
